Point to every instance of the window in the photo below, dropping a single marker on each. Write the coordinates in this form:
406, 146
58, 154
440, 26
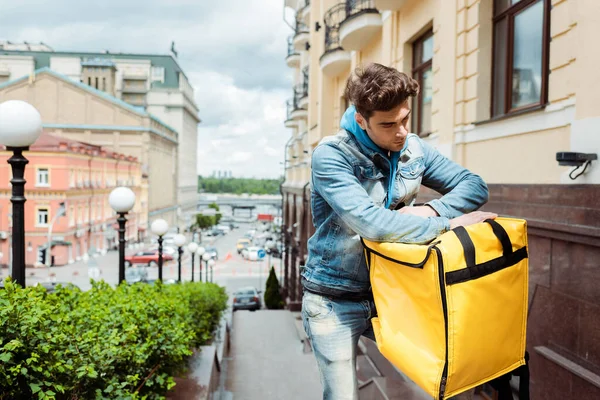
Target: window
423, 73
158, 74
89, 81
42, 217
42, 177
97, 83
104, 84
520, 64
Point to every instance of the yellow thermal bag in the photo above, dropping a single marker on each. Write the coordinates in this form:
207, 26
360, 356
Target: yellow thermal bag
452, 315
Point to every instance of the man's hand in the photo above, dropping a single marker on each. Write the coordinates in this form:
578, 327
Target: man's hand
419, 211
471, 218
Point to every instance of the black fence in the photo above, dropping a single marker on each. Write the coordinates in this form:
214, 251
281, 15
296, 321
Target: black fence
301, 27
333, 18
355, 7
291, 50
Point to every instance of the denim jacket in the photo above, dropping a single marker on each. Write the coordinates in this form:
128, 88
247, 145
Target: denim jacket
349, 194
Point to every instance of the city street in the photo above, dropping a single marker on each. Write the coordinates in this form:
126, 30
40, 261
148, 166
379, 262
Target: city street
230, 270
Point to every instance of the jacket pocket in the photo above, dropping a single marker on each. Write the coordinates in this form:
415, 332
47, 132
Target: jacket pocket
413, 169
374, 182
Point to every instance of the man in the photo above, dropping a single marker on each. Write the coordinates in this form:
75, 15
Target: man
365, 181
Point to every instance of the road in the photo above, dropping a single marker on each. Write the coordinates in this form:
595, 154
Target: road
230, 271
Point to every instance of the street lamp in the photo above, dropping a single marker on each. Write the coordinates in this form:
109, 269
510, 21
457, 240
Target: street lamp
179, 241
160, 227
211, 264
193, 247
200, 251
122, 200
206, 257
20, 127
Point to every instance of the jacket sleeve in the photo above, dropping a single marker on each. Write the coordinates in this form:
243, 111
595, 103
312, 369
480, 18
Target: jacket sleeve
462, 190
333, 179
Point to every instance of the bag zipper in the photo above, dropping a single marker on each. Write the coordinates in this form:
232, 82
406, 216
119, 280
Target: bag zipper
445, 308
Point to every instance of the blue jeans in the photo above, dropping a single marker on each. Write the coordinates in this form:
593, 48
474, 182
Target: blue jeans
334, 327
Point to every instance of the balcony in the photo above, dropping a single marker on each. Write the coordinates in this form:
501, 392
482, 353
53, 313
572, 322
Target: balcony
290, 122
138, 89
293, 57
299, 112
391, 5
302, 89
301, 35
305, 11
335, 59
361, 24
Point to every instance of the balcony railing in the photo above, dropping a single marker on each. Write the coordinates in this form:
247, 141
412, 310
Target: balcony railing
291, 50
305, 78
356, 7
333, 18
301, 27
291, 105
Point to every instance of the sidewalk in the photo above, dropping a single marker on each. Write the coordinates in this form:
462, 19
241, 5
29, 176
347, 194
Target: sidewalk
267, 359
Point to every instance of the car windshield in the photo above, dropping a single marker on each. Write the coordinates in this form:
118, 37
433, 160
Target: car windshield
247, 292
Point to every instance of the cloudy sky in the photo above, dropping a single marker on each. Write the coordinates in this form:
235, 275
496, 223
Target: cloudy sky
233, 52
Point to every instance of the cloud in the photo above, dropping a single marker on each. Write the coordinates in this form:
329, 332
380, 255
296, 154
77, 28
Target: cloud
232, 51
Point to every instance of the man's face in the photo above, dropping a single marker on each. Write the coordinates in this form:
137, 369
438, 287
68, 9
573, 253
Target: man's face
387, 129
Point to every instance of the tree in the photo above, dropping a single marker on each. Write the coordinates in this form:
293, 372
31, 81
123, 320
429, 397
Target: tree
204, 221
273, 299
218, 215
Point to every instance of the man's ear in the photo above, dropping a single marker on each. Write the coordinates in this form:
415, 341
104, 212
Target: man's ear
360, 121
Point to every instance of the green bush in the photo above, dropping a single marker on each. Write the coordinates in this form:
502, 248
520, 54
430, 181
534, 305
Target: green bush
117, 343
273, 299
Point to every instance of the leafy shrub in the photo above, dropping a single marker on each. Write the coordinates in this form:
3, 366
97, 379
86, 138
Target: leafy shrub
124, 342
273, 299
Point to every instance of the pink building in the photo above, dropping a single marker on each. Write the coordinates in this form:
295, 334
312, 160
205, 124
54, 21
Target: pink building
81, 176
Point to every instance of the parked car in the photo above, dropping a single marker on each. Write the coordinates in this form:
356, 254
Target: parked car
214, 253
223, 228
247, 298
251, 253
148, 257
242, 244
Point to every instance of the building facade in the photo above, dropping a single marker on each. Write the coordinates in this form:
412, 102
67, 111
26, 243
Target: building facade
504, 87
79, 176
78, 112
154, 83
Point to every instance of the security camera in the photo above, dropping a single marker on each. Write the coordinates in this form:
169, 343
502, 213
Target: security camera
568, 158
576, 160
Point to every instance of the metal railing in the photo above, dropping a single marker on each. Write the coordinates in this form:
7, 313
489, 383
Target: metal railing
333, 18
291, 50
291, 106
301, 27
355, 7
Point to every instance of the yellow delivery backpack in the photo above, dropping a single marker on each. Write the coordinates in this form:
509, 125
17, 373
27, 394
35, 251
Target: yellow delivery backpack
452, 315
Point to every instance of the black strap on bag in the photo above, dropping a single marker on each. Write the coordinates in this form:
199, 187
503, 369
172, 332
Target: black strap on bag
474, 270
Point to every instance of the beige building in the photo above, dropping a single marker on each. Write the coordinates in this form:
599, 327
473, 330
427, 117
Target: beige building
81, 113
153, 83
505, 85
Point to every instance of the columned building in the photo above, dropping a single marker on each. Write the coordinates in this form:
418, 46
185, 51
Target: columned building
504, 87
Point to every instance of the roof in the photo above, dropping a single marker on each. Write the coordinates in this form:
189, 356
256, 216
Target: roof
48, 142
172, 68
137, 110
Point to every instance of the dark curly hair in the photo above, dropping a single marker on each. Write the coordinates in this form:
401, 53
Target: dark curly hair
379, 88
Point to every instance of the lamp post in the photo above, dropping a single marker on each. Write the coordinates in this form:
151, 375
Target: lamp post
160, 227
200, 251
20, 127
206, 257
122, 200
211, 264
193, 247
179, 241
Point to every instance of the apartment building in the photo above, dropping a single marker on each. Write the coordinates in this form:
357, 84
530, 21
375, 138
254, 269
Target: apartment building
80, 176
79, 112
155, 84
505, 86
